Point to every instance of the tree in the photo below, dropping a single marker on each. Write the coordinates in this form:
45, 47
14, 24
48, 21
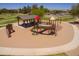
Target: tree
0, 12
24, 9
19, 10
38, 11
34, 6
28, 9
41, 7
46, 10
4, 10
75, 10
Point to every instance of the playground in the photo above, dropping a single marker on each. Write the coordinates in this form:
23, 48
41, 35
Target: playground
25, 42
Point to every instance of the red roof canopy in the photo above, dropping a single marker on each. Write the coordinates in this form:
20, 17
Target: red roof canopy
37, 17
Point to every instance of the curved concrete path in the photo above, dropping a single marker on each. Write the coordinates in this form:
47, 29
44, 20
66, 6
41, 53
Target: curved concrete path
44, 51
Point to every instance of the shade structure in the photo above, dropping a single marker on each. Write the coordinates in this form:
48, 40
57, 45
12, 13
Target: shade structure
53, 18
25, 18
37, 18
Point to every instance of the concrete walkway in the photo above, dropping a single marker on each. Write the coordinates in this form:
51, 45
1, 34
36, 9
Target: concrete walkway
44, 51
74, 52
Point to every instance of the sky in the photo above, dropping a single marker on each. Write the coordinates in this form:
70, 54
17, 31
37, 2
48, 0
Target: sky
46, 5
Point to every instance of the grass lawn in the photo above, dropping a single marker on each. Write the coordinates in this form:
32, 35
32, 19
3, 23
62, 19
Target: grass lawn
45, 18
8, 18
65, 18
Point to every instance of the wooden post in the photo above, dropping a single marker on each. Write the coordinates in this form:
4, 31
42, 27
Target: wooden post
18, 20
27, 21
60, 21
57, 23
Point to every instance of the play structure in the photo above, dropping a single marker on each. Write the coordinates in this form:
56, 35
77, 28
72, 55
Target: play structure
39, 27
46, 28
